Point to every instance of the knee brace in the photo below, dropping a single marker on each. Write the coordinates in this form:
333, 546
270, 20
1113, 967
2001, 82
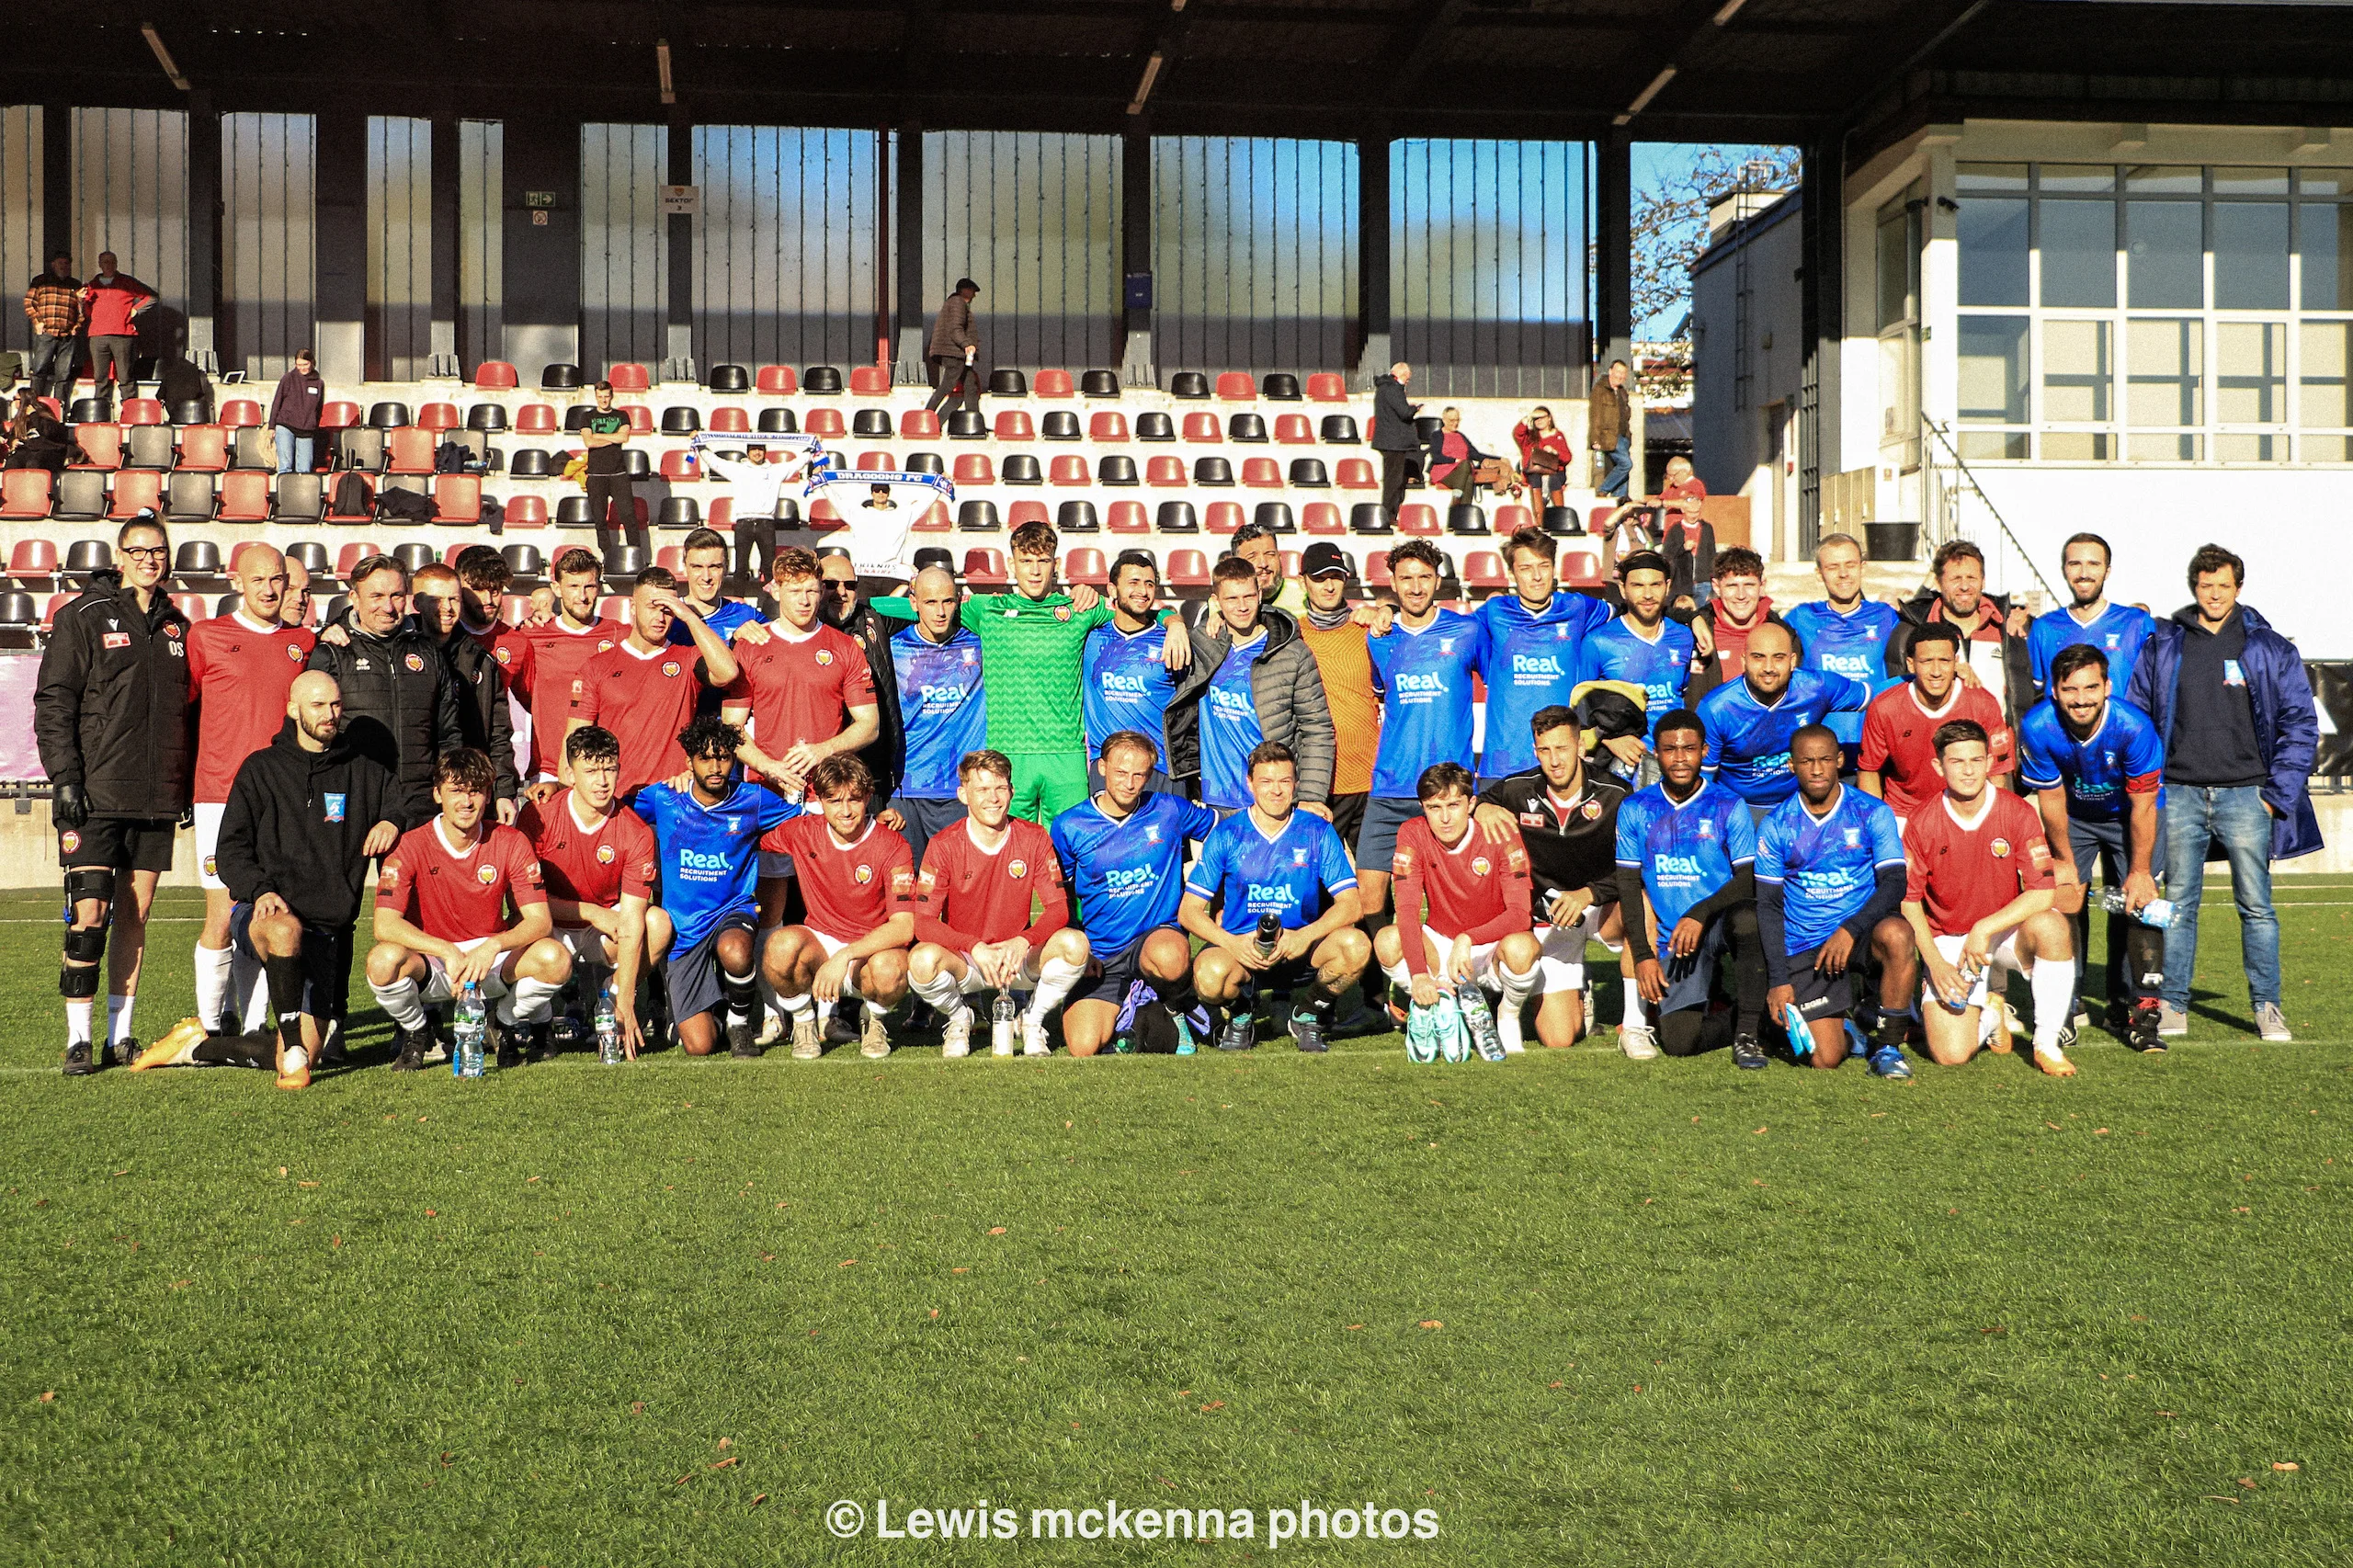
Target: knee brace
78, 982
89, 882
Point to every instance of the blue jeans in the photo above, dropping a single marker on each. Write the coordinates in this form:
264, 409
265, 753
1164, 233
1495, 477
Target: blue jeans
1620, 469
294, 450
51, 371
2192, 815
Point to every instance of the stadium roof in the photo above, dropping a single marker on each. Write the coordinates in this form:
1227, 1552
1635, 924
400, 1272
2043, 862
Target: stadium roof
1654, 70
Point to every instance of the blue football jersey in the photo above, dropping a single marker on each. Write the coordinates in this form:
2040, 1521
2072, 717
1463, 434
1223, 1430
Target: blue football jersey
1425, 680
1828, 866
1684, 853
2118, 631
1229, 726
2096, 769
943, 708
1293, 874
1748, 743
1129, 876
710, 855
1124, 686
1853, 644
731, 615
1531, 664
1660, 665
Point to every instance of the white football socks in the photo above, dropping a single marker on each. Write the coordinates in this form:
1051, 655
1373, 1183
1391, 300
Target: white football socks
214, 966
1055, 977
2054, 985
77, 1022
119, 1017
403, 1003
534, 999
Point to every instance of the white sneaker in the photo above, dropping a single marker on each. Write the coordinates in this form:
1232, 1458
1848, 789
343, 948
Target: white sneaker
1639, 1041
2173, 1023
955, 1035
1033, 1039
771, 1026
874, 1044
806, 1046
2271, 1023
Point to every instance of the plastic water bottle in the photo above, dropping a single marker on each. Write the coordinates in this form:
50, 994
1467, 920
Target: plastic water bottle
608, 1030
1001, 1014
1270, 932
470, 1027
2157, 913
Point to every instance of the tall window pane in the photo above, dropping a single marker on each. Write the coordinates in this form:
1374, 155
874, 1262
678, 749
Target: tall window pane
2325, 235
2251, 255
2324, 395
2251, 372
1992, 251
2079, 253
2165, 371
2168, 264
2078, 371
1992, 370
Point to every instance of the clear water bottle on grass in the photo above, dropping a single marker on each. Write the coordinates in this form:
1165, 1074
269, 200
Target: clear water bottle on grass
1001, 1015
608, 1030
470, 1029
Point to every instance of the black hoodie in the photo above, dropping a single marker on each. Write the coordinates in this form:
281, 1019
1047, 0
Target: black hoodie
295, 823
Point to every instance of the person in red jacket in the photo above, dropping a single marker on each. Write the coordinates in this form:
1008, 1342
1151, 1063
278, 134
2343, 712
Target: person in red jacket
970, 904
1477, 928
1544, 454
112, 301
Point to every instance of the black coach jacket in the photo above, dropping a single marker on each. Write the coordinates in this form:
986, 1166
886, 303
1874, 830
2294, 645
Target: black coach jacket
487, 722
400, 705
111, 712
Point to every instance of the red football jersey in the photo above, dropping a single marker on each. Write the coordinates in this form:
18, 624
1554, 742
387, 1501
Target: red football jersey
558, 657
598, 866
1900, 741
799, 690
645, 700
1963, 873
460, 897
966, 895
849, 888
1475, 889
238, 678
510, 647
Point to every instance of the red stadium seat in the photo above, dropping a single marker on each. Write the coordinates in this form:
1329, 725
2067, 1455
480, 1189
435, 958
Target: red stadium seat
144, 410
671, 558
1069, 470
495, 375
729, 419
339, 416
975, 468
1201, 428
823, 422
527, 511
351, 555
1188, 569
1376, 569
24, 497
1261, 473
1597, 518
1510, 520
613, 607
677, 466
1482, 569
629, 378
1024, 512
101, 443
1165, 472
49, 611
31, 560
367, 483
1290, 564
1236, 386
1107, 425
459, 498
919, 425
1128, 517
536, 419
244, 497
136, 490
240, 414
1325, 386
1580, 566
778, 380
1355, 474
721, 515
1014, 425
409, 450
438, 416
1321, 517
1415, 517
869, 381
1225, 517
876, 461
822, 515
196, 606
204, 448
984, 568
935, 520
515, 609
1052, 384
640, 418
1086, 565
1292, 430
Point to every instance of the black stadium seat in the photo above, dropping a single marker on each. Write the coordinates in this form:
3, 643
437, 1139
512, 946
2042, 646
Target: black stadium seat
299, 499
624, 561
311, 554
779, 422
924, 462
560, 378
821, 379
192, 411
1115, 468
1367, 517
575, 419
1278, 386
966, 425
572, 512
679, 512
875, 422
1307, 473
188, 498
528, 462
1562, 520
1076, 518
681, 419
932, 555
196, 558
387, 416
1340, 429
1176, 517
1275, 518
1100, 383
89, 411
416, 556
1245, 427
1008, 383
640, 465
1153, 424
1059, 425
730, 379
1189, 384
80, 496
977, 516
523, 559
1465, 519
487, 417
1212, 470
1020, 468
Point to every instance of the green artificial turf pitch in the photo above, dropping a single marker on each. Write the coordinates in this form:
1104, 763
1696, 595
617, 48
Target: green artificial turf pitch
1582, 1308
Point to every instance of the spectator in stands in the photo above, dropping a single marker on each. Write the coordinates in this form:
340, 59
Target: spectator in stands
1609, 430
294, 415
1687, 540
1393, 435
53, 304
955, 352
112, 301
1543, 454
612, 498
1460, 467
34, 437
2235, 704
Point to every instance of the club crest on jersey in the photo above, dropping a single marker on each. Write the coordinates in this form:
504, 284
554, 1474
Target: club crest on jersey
2000, 849
824, 656
505, 655
1298, 858
670, 668
1017, 870
1481, 865
1446, 644
415, 661
336, 802
212, 867
2112, 640
171, 628
69, 841
1590, 811
604, 854
1707, 828
1401, 863
389, 883
1854, 838
1150, 834
485, 875
294, 653
861, 875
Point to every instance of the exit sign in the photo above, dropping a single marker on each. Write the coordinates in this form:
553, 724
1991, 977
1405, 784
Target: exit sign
539, 199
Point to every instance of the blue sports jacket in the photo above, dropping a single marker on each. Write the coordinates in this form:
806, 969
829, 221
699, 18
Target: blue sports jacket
2287, 726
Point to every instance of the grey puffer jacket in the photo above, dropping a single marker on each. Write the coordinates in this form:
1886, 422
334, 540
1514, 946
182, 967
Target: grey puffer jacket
1286, 687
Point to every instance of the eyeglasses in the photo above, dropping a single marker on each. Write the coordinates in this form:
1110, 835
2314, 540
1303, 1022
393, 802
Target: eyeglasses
149, 551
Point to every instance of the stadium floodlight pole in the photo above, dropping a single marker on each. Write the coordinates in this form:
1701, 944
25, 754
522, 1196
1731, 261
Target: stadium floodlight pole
1144, 88
661, 62
1642, 100
164, 56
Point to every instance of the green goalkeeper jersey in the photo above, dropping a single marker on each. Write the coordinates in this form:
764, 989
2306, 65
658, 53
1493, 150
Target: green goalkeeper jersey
1030, 656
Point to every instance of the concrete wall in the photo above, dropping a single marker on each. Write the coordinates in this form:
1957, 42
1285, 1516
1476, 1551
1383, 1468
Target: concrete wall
1733, 427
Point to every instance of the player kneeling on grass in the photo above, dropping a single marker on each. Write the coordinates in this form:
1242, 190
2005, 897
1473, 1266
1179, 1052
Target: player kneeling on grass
1979, 898
598, 858
852, 872
970, 905
1476, 931
460, 901
1829, 881
1274, 862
